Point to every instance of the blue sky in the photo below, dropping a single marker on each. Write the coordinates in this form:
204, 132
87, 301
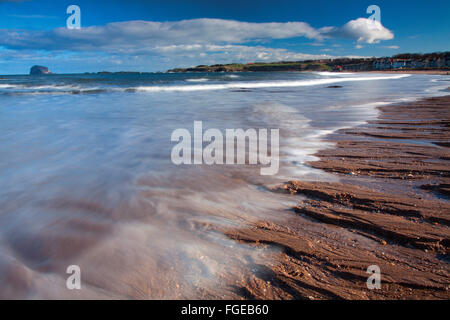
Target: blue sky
158, 35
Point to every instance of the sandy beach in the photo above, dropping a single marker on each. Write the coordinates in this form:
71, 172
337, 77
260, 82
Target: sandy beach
390, 208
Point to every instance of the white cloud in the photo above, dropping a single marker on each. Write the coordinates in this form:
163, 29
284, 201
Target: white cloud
316, 44
135, 35
392, 47
362, 30
141, 36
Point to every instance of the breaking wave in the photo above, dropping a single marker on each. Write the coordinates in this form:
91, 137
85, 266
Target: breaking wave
258, 85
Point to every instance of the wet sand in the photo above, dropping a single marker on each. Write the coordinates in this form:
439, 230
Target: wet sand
390, 208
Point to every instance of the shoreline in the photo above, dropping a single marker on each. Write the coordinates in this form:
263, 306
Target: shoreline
390, 208
427, 72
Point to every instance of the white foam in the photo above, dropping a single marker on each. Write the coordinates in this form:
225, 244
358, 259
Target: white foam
267, 84
42, 87
198, 80
327, 73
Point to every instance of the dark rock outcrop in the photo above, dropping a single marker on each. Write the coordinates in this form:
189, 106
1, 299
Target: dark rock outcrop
39, 70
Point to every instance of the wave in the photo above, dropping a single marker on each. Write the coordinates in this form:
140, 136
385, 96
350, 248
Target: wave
327, 73
39, 87
197, 80
6, 86
54, 92
258, 85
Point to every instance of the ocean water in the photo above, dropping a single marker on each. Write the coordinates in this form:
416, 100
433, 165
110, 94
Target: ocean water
86, 175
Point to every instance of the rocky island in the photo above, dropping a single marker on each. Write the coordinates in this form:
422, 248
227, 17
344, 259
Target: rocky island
39, 70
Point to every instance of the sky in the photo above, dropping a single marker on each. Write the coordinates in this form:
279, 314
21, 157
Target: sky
135, 35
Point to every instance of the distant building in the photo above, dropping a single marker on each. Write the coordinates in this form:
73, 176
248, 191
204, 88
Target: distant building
382, 64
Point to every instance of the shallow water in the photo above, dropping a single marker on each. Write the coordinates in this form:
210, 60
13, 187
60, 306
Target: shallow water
87, 177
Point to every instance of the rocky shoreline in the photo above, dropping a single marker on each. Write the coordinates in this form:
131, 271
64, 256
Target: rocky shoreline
391, 208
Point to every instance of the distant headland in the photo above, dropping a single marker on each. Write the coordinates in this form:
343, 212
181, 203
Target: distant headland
425, 62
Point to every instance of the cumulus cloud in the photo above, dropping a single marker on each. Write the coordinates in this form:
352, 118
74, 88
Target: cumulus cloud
361, 29
140, 36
